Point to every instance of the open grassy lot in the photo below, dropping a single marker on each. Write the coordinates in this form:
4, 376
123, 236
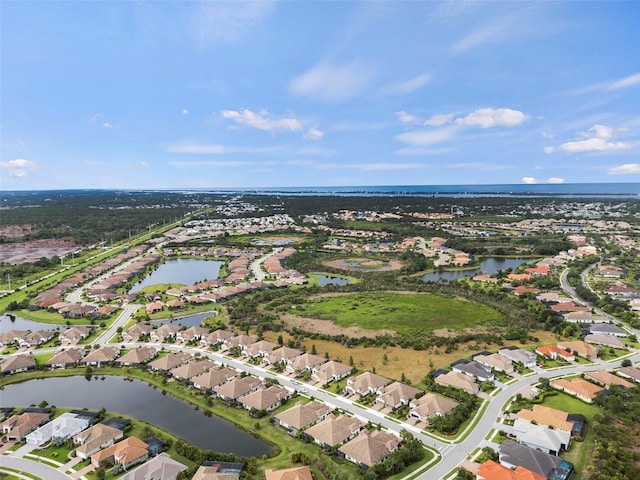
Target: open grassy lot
401, 312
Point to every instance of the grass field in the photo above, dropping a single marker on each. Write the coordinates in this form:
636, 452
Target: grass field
399, 312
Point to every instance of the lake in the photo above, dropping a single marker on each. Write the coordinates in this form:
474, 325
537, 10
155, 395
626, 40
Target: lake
330, 280
18, 323
488, 265
188, 321
185, 271
138, 400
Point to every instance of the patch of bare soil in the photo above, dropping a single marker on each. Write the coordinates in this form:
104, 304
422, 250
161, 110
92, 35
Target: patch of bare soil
366, 265
33, 250
16, 231
328, 327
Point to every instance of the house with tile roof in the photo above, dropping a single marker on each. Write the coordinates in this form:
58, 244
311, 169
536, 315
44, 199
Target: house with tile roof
331, 371
216, 337
608, 329
334, 430
282, 355
260, 349
547, 416
397, 394
138, 356
267, 399
431, 405
577, 387
459, 381
491, 470
134, 333
65, 358
580, 348
191, 369
73, 335
126, 453
191, 334
584, 317
479, 372
18, 427
306, 361
17, 363
605, 340
170, 361
495, 362
519, 355
369, 448
555, 353
366, 383
215, 471
240, 341
607, 379
236, 388
100, 356
213, 378
295, 473
632, 373
164, 332
95, 438
36, 338
301, 416
160, 467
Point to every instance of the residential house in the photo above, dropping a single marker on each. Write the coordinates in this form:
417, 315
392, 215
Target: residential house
301, 416
519, 355
584, 317
580, 348
219, 336
608, 329
101, 356
495, 361
126, 453
36, 338
218, 471
95, 438
611, 271
334, 430
12, 336
513, 455
331, 371
458, 380
295, 473
569, 307
260, 349
547, 416
170, 361
58, 430
397, 394
236, 388
192, 369
431, 405
369, 448
552, 297
473, 369
306, 361
17, 363
213, 378
540, 437
191, 334
605, 340
491, 470
366, 383
138, 356
153, 307
240, 341
607, 379
555, 353
134, 333
282, 355
266, 399
160, 467
18, 427
164, 332
65, 358
630, 372
577, 387
74, 335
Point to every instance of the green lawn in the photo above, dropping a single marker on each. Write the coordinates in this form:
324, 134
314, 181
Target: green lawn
399, 312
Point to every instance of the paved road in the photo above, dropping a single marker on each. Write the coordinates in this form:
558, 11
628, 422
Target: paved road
40, 470
129, 310
256, 267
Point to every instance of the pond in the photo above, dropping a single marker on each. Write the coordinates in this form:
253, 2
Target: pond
488, 265
138, 400
185, 271
6, 324
330, 280
188, 321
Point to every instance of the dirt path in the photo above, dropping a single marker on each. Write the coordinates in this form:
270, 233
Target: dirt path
328, 327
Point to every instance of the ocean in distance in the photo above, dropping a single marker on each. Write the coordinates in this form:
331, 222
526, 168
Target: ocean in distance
623, 190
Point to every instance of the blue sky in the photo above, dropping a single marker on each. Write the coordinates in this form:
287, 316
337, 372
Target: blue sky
101, 94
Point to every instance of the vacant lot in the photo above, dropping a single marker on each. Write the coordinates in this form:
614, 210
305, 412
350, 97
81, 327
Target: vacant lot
400, 312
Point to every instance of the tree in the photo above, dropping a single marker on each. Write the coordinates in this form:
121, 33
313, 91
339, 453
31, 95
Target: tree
351, 360
313, 349
626, 363
280, 340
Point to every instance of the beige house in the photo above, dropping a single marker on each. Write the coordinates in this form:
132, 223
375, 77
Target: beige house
369, 448
192, 369
213, 378
585, 391
219, 336
302, 415
135, 332
265, 398
580, 348
296, 473
236, 388
431, 405
495, 361
306, 361
547, 416
137, 356
125, 453
331, 371
17, 363
65, 358
170, 361
73, 335
458, 380
259, 349
282, 355
18, 427
632, 373
334, 430
366, 383
101, 356
95, 438
397, 394
607, 379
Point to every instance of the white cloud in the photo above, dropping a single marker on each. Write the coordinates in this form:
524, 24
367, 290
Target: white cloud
421, 151
427, 136
17, 168
107, 125
226, 22
314, 134
625, 169
405, 117
529, 180
216, 149
439, 119
630, 81
493, 117
185, 111
597, 140
549, 149
407, 86
555, 180
332, 82
262, 120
